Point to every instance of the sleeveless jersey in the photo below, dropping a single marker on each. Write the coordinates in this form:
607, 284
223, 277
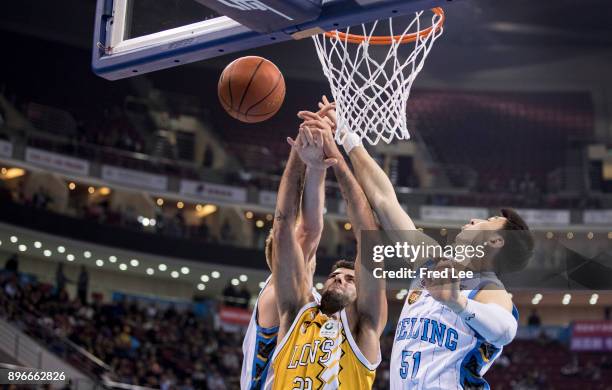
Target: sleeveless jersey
257, 348
434, 349
319, 353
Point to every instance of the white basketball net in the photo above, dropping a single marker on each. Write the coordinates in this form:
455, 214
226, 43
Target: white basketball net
370, 86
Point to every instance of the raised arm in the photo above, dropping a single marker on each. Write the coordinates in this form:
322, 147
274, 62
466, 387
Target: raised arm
368, 316
375, 183
380, 192
288, 266
310, 227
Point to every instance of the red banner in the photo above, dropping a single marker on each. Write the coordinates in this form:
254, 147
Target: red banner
234, 316
592, 336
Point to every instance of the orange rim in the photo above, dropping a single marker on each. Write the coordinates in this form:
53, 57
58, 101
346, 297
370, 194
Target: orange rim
388, 39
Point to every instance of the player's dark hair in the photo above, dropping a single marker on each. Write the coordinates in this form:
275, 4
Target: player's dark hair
518, 243
343, 264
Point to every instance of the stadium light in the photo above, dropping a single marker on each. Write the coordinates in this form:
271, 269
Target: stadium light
206, 210
566, 299
104, 191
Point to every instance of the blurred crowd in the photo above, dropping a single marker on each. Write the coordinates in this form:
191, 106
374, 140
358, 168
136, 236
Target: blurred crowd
142, 344
169, 348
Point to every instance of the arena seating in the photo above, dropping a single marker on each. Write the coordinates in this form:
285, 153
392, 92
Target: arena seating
526, 131
153, 347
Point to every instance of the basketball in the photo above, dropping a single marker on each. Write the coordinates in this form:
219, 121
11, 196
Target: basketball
251, 89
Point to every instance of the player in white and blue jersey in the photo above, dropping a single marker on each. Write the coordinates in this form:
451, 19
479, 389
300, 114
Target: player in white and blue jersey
261, 336
448, 334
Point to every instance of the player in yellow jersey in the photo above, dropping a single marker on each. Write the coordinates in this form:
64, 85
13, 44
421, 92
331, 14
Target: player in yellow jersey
334, 344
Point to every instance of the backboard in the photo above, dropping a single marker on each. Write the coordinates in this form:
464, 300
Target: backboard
133, 37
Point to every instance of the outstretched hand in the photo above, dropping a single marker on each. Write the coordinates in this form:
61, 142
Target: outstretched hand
324, 126
309, 146
328, 110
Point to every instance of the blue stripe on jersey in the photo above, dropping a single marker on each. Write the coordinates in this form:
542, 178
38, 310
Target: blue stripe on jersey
480, 355
265, 343
474, 361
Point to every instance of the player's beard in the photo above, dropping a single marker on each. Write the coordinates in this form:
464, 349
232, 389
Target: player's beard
332, 302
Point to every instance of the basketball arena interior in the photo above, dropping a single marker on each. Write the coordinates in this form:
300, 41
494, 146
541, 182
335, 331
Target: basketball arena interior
134, 213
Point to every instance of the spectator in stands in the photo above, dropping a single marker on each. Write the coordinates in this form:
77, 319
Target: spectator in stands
572, 368
245, 297
230, 294
592, 371
41, 198
60, 279
226, 232
208, 157
83, 285
534, 319
204, 231
215, 380
12, 264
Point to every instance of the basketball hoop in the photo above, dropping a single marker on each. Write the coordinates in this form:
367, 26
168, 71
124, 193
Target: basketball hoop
371, 86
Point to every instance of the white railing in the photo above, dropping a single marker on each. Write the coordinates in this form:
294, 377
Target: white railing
23, 349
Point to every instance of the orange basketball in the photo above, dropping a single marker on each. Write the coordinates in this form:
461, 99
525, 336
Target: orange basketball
251, 89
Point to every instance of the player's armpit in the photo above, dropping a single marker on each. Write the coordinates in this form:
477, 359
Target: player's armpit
267, 308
